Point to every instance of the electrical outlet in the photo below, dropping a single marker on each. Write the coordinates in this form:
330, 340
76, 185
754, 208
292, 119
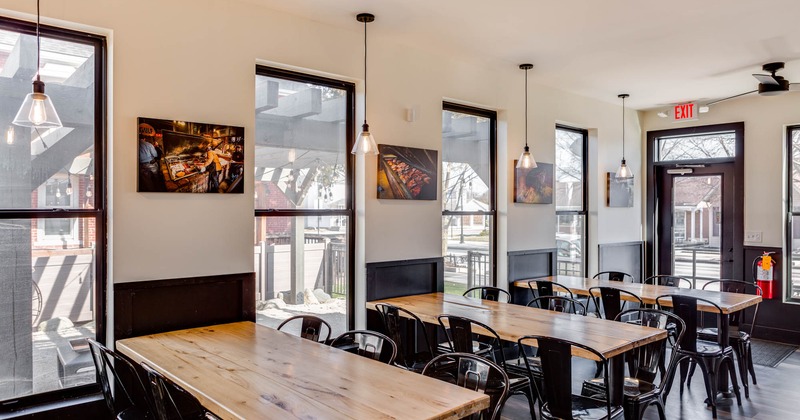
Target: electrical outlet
752, 236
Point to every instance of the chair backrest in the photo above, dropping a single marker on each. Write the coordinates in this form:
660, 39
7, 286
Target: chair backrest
556, 359
475, 373
685, 307
668, 280
117, 396
461, 336
646, 358
558, 304
311, 327
737, 286
614, 276
404, 330
541, 288
370, 344
489, 293
170, 400
611, 300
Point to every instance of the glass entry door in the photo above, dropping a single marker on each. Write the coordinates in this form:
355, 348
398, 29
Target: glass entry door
695, 209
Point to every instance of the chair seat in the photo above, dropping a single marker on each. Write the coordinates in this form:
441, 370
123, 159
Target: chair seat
633, 388
586, 408
478, 348
518, 365
710, 334
133, 413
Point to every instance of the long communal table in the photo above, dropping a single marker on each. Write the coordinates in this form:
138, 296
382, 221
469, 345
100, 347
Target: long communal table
511, 322
727, 302
247, 371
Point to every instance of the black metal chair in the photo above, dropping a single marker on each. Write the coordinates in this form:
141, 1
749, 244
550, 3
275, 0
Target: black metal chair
710, 356
170, 401
405, 328
556, 366
461, 337
611, 302
668, 280
489, 293
740, 340
559, 304
370, 344
640, 390
614, 276
123, 403
311, 327
476, 373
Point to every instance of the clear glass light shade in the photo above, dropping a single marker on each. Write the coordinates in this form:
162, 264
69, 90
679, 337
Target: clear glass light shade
37, 110
365, 144
526, 160
624, 172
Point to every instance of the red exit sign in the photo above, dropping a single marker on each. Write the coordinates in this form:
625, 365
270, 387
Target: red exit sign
685, 112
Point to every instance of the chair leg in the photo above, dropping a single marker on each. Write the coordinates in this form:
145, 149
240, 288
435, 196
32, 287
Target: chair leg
660, 406
750, 366
684, 369
741, 360
673, 365
692, 366
729, 362
710, 380
531, 401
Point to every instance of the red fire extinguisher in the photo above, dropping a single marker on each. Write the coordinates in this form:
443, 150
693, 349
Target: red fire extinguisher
764, 273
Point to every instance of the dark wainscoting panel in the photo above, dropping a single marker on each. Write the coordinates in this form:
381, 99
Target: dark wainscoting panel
777, 321
149, 307
627, 257
388, 279
529, 264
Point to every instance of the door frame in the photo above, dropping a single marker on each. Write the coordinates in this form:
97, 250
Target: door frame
737, 219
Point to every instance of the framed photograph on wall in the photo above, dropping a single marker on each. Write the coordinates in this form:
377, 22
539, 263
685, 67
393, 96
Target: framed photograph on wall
407, 173
619, 192
535, 185
182, 156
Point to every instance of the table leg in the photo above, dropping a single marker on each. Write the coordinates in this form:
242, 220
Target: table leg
723, 385
616, 379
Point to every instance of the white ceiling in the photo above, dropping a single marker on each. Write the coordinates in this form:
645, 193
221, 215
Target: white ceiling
661, 52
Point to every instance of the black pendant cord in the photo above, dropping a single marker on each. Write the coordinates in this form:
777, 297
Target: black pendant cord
38, 43
365, 72
623, 128
526, 110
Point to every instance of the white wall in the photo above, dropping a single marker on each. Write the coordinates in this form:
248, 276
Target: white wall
194, 60
765, 120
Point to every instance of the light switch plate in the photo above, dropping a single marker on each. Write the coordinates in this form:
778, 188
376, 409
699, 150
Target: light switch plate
752, 236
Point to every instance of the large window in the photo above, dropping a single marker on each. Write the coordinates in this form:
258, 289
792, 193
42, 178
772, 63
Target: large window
468, 197
52, 217
570, 168
303, 198
793, 219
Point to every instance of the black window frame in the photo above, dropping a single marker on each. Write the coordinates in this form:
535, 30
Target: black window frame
790, 214
99, 213
492, 117
585, 200
350, 89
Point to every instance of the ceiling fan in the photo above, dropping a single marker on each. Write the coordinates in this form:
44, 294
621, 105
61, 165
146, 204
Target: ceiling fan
769, 84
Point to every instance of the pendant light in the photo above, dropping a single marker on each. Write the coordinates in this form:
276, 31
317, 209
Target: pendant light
37, 109
526, 160
365, 143
623, 172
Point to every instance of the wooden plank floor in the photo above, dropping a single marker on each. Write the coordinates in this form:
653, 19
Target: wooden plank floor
775, 397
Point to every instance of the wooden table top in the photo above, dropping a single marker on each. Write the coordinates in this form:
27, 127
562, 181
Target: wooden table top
728, 302
248, 371
514, 321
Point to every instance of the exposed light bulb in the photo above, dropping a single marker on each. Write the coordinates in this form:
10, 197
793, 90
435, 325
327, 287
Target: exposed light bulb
89, 192
526, 160
58, 192
10, 135
365, 143
624, 172
38, 114
69, 188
